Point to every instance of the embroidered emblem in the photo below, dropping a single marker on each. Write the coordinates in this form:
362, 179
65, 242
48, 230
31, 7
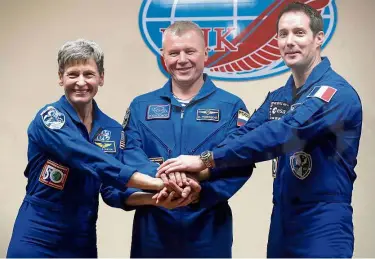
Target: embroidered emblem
106, 146
323, 92
208, 115
301, 164
126, 118
104, 135
158, 112
242, 118
278, 110
54, 175
52, 118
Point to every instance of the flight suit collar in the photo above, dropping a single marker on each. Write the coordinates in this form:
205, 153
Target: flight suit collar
207, 89
316, 74
98, 114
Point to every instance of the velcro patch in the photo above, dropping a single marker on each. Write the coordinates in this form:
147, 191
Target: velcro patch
52, 118
208, 115
158, 112
54, 175
158, 160
323, 92
277, 110
242, 118
106, 146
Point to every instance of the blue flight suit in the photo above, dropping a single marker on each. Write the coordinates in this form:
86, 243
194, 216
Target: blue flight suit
313, 134
160, 128
66, 167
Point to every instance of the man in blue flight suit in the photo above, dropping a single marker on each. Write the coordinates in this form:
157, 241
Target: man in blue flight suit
188, 115
72, 150
311, 127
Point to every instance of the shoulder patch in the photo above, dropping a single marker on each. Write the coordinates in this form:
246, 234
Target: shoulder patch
52, 118
323, 92
126, 118
242, 118
54, 175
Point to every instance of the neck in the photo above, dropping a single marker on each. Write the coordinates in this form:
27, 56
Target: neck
85, 114
186, 92
300, 75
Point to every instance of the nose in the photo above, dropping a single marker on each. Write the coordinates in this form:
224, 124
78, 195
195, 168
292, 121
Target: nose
182, 57
81, 80
290, 40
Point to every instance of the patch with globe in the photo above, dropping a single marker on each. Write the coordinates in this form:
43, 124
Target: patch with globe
240, 34
54, 175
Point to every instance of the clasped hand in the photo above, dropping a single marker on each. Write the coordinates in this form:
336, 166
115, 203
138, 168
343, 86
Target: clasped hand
180, 189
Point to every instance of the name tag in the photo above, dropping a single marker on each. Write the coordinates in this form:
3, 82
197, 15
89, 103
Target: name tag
208, 115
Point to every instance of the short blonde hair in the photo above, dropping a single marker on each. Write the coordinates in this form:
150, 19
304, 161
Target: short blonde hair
180, 27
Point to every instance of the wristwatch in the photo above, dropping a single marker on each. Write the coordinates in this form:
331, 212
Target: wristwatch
207, 158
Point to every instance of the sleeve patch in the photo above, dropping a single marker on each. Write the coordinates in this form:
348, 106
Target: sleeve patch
242, 118
126, 118
52, 118
323, 92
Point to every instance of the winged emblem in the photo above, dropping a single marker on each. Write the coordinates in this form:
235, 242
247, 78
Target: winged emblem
103, 145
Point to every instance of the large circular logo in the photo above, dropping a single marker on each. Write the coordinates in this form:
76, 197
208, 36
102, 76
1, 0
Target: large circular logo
240, 34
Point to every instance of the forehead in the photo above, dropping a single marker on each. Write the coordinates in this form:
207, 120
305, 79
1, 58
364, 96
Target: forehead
81, 64
185, 40
294, 19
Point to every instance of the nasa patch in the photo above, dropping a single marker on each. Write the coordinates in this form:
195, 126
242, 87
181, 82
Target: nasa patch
54, 175
208, 115
52, 118
301, 164
158, 112
278, 110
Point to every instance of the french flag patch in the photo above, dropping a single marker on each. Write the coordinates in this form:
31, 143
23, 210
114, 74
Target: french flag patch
323, 92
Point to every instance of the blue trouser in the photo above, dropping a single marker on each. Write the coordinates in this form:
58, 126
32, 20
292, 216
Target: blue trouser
183, 233
42, 231
322, 229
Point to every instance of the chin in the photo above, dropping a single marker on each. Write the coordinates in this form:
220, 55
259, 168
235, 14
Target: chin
80, 100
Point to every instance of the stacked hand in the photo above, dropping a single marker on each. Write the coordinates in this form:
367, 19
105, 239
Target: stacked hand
180, 189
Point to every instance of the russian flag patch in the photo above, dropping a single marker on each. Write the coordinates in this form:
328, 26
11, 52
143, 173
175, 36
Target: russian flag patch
323, 92
242, 118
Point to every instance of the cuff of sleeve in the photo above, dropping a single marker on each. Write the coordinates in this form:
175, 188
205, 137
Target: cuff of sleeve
206, 200
124, 176
124, 196
219, 158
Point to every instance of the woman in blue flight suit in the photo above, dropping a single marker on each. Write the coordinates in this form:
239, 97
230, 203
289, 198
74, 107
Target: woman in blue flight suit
72, 150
